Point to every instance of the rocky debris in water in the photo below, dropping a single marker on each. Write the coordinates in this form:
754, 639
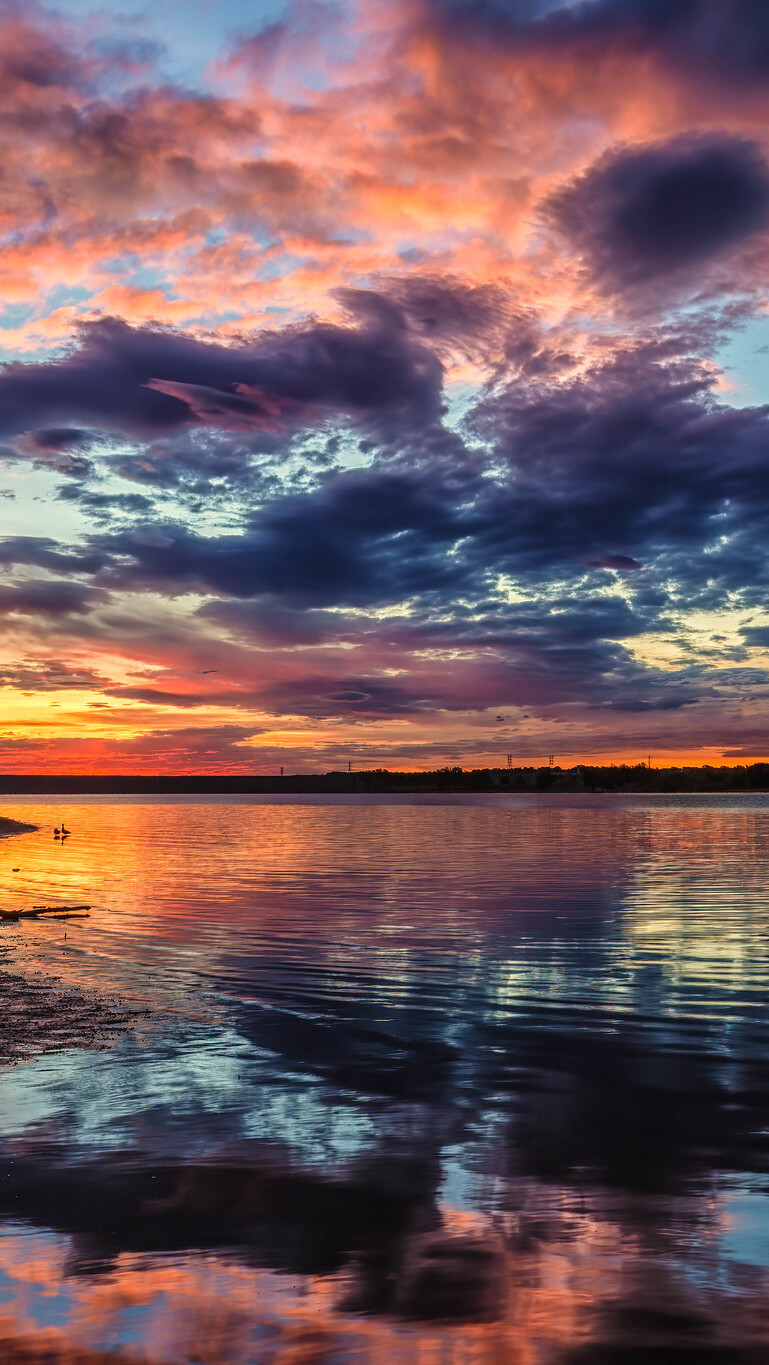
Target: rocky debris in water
43, 1015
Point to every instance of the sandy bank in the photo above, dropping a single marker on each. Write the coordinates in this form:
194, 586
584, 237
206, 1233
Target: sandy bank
8, 827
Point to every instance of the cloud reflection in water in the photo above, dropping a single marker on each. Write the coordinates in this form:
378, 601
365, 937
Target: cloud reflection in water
437, 1083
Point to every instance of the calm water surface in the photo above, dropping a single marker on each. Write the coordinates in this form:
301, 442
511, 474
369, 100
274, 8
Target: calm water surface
473, 1079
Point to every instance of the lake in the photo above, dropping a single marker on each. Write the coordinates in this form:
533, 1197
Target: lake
422, 1079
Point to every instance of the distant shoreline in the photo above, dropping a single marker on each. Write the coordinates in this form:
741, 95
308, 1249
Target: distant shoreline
614, 778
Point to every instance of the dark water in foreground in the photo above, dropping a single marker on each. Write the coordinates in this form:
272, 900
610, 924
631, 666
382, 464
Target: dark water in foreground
482, 1079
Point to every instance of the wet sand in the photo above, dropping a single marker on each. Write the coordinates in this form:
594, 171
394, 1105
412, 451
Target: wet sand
8, 827
42, 1015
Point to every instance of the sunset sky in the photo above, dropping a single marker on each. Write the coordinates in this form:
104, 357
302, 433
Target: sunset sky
383, 382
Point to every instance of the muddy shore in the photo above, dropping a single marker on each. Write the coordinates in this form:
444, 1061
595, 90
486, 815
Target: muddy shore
41, 1014
8, 827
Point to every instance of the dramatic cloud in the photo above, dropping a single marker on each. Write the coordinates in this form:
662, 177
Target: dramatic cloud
634, 453
143, 382
362, 537
726, 40
373, 395
48, 598
651, 212
50, 675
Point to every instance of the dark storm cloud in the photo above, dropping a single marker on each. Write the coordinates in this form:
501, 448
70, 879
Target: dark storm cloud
157, 697
631, 464
146, 381
107, 505
49, 598
562, 623
634, 459
643, 213
364, 536
723, 40
274, 624
756, 636
44, 553
203, 464
62, 449
483, 321
601, 674
621, 563
364, 697
564, 649
630, 474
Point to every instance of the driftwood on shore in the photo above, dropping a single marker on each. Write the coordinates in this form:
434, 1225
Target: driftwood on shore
54, 909
43, 911
59, 914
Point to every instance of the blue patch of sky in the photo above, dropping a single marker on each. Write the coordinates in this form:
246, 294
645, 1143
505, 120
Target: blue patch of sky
279, 267
122, 265
745, 362
190, 33
460, 397
260, 235
34, 510
66, 296
15, 315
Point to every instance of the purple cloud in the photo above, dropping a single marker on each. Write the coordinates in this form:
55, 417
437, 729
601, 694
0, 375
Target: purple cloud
641, 214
